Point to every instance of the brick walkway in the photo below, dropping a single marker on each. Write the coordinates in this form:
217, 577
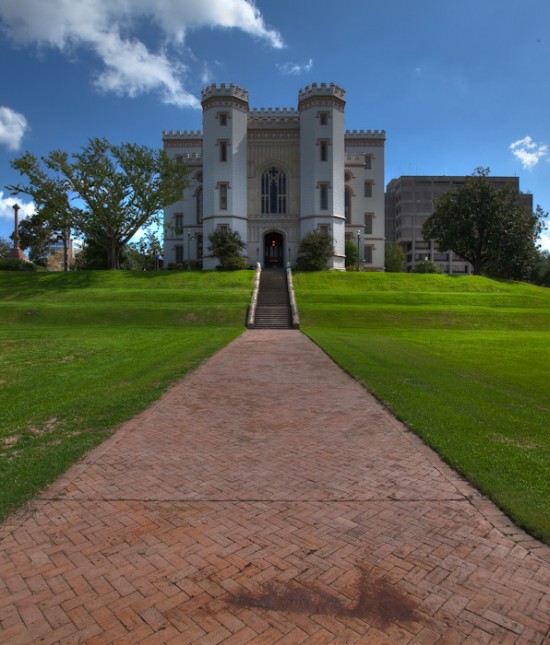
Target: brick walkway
267, 498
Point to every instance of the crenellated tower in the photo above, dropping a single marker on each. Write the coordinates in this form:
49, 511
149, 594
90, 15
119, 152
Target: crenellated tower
225, 123
321, 109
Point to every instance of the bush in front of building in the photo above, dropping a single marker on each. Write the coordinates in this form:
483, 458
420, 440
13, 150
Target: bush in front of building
12, 264
426, 266
352, 255
394, 258
316, 249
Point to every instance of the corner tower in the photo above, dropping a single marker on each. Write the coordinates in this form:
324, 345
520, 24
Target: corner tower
322, 204
225, 120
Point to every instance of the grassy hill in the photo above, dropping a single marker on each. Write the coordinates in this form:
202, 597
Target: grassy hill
82, 352
464, 361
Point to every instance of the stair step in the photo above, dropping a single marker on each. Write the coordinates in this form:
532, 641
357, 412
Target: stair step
273, 305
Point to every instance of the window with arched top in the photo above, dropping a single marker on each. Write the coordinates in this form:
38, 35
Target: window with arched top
199, 205
347, 204
273, 192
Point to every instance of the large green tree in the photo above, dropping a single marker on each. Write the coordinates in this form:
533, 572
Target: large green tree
486, 226
105, 192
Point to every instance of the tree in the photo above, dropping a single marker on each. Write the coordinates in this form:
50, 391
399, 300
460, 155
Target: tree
106, 192
53, 219
487, 227
142, 255
5, 247
227, 245
541, 270
316, 248
352, 254
394, 261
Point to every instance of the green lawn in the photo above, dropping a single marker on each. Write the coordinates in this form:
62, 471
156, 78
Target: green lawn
82, 352
463, 361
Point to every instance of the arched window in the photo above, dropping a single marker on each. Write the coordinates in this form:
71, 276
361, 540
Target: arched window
199, 206
347, 204
273, 192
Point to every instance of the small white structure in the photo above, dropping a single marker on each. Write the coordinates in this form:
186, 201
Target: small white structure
274, 175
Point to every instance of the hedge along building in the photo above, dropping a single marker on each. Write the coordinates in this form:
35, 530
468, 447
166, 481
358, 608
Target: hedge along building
275, 175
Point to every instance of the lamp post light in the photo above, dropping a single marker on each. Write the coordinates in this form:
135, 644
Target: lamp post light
190, 238
358, 248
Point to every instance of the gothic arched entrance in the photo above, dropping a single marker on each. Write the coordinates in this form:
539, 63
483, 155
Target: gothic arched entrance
273, 250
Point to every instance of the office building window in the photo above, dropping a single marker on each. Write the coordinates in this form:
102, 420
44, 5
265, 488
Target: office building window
178, 223
368, 254
223, 118
368, 162
199, 238
179, 254
368, 189
323, 118
324, 150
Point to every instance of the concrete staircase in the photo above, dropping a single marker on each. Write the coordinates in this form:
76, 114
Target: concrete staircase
273, 308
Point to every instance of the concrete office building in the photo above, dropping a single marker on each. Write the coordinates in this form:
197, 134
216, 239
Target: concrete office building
410, 201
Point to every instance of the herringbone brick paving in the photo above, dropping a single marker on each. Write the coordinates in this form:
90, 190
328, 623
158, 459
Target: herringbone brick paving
268, 498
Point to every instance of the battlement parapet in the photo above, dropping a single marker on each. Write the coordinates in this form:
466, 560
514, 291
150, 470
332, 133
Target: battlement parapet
224, 90
273, 112
182, 134
321, 89
360, 134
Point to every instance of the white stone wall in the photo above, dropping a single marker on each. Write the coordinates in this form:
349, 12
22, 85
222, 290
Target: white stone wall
365, 165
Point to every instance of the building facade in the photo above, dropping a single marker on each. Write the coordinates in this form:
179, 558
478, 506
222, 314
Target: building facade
275, 175
410, 201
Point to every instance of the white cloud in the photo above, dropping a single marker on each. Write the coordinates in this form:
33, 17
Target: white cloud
13, 126
108, 28
544, 241
6, 207
528, 151
295, 69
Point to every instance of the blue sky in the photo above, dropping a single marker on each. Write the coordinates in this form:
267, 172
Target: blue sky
455, 85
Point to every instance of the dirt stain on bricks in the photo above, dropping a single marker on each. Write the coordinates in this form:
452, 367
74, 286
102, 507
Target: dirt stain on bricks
378, 601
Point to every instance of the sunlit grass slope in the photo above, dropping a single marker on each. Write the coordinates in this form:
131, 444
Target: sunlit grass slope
463, 361
82, 352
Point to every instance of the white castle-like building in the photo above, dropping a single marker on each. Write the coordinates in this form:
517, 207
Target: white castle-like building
274, 175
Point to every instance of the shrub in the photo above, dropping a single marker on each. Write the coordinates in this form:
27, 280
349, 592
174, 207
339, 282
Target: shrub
233, 263
315, 250
394, 258
352, 254
10, 264
426, 266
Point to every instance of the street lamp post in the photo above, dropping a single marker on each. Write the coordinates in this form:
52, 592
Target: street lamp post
358, 248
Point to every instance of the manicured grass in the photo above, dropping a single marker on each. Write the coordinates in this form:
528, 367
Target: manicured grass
463, 361
82, 352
